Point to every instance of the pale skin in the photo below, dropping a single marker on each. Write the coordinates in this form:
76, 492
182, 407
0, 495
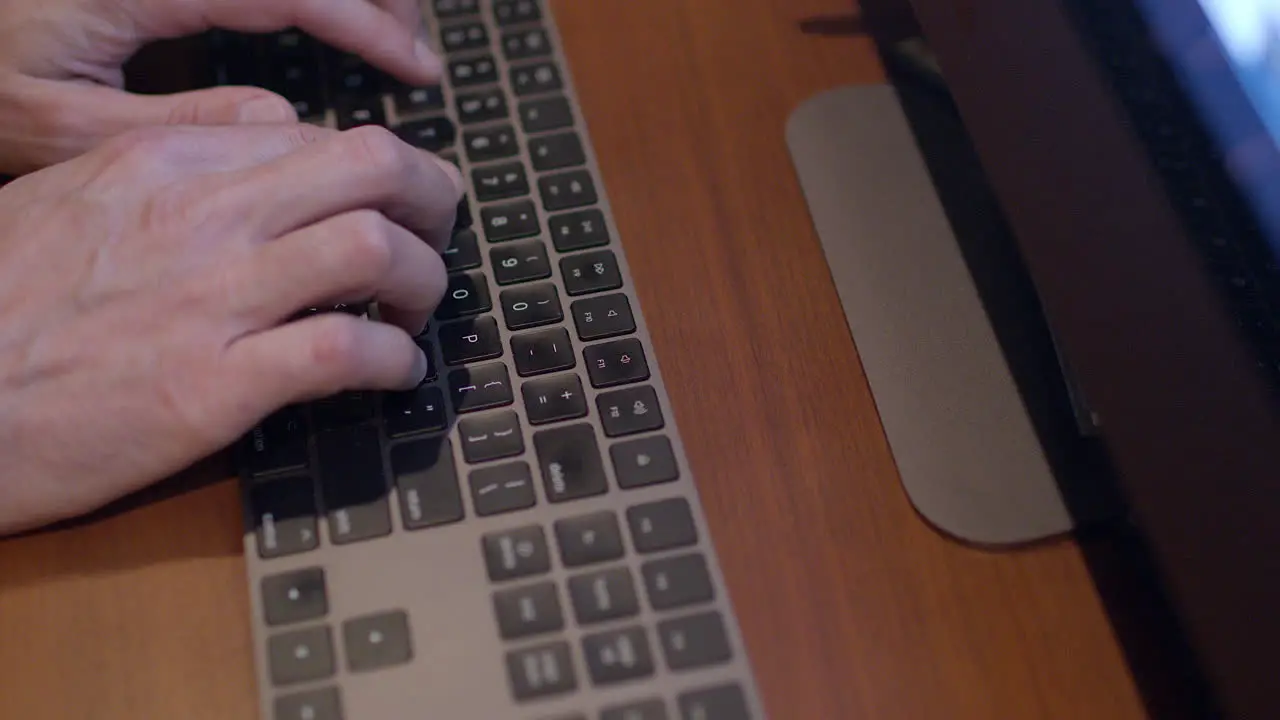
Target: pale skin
156, 252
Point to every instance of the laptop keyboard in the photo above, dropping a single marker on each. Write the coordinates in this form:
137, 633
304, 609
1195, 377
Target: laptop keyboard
520, 537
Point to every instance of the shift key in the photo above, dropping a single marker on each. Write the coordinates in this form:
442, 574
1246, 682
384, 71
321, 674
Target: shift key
427, 483
353, 484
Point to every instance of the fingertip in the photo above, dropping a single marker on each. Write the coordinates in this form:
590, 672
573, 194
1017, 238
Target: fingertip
454, 174
265, 109
418, 373
428, 60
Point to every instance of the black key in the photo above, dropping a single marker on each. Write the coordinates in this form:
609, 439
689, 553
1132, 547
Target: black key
502, 488
475, 71
567, 190
467, 36
552, 152
661, 525
519, 262
353, 485
463, 252
491, 436
354, 78
722, 702
284, 516
357, 111
618, 655
462, 217
629, 411
525, 44
500, 181
431, 134
516, 553
545, 114
490, 144
301, 655
511, 12
589, 539
578, 230
414, 411
555, 398
529, 610
604, 595
590, 272
651, 709
677, 581
509, 221
467, 294
342, 410
321, 704
427, 483
603, 316
279, 444
476, 107
543, 351
377, 641
646, 461
616, 362
541, 671
470, 340
294, 596
456, 8
480, 387
532, 79
569, 459
531, 306
411, 100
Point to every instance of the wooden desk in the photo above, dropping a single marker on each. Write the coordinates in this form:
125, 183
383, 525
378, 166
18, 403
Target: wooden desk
852, 607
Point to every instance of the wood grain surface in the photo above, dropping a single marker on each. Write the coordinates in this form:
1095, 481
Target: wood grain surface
851, 605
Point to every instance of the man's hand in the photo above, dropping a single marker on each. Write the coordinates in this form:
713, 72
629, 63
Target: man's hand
149, 297
60, 64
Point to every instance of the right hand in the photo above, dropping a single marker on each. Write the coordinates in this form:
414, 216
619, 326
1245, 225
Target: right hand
150, 290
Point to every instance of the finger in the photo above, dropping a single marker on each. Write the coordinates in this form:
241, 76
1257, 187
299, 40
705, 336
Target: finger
408, 12
356, 257
364, 168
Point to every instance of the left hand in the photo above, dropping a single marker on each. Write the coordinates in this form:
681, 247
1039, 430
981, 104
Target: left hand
60, 65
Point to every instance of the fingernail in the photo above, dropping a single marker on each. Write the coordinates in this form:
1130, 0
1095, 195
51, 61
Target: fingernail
266, 109
419, 368
426, 58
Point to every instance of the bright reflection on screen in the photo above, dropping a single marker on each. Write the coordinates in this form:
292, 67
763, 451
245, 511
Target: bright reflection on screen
1249, 31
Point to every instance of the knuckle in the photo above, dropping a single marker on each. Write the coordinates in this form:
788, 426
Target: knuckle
335, 346
366, 248
376, 148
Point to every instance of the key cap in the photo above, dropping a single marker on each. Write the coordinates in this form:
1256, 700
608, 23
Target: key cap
603, 316
356, 111
294, 596
480, 387
497, 182
644, 461
589, 539
567, 190
509, 221
300, 655
354, 78
490, 436
511, 12
604, 595
553, 152
617, 655
721, 702
481, 106
424, 344
538, 78
284, 512
578, 230
677, 581
279, 444
377, 641
650, 709
503, 488
342, 410
516, 553
542, 351
415, 411
629, 411
661, 525
463, 252
529, 610
466, 36
555, 398
470, 340
590, 272
321, 704
427, 483
410, 100
530, 306
473, 71
463, 218
616, 363
569, 459
432, 134
525, 44
541, 671
353, 485
545, 114
490, 144
467, 294
455, 8
519, 262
